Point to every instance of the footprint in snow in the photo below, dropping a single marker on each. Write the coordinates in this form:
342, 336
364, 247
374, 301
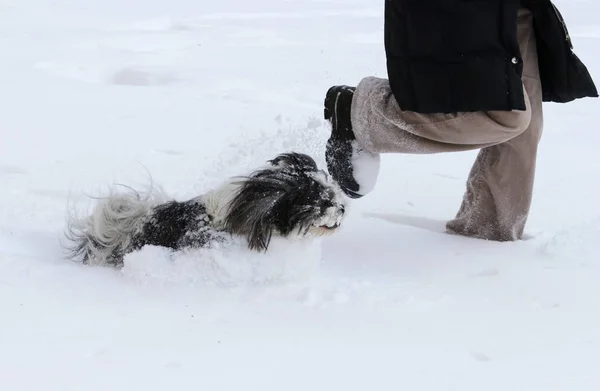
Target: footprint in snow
159, 24
138, 78
491, 272
12, 170
96, 353
546, 305
481, 357
173, 365
119, 77
171, 152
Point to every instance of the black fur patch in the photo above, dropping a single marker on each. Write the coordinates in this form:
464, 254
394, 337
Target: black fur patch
176, 225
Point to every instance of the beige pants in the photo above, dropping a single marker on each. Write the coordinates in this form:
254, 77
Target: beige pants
500, 185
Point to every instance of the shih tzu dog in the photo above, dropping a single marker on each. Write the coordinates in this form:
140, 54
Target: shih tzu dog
290, 197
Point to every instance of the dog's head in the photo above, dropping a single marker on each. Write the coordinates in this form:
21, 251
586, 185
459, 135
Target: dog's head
291, 196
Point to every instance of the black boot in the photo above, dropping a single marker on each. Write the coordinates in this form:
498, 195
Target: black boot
339, 150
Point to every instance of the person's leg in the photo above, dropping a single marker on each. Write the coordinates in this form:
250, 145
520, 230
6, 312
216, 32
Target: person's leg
499, 189
493, 208
380, 126
367, 121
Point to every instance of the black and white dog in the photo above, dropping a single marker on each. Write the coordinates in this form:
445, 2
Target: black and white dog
290, 197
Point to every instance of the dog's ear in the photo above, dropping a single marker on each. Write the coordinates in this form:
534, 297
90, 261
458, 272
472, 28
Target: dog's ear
260, 235
251, 212
252, 219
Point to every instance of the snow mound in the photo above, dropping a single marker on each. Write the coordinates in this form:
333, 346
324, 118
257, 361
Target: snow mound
226, 266
580, 241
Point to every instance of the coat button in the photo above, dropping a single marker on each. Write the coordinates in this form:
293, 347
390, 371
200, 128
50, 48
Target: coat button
515, 60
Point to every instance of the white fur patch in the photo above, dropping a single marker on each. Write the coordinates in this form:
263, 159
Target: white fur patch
112, 223
217, 202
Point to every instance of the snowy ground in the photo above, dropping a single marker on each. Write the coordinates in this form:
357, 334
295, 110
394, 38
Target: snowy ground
95, 92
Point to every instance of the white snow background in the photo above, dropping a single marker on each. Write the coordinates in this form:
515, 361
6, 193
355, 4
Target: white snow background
187, 93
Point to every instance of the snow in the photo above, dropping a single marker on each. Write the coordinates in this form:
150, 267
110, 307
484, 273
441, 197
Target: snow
366, 168
185, 94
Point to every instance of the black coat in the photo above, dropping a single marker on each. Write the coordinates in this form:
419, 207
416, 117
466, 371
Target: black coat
463, 55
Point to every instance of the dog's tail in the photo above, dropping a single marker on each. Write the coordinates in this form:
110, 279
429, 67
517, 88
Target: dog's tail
104, 236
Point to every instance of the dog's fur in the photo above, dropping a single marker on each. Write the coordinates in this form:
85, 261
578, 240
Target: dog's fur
290, 196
